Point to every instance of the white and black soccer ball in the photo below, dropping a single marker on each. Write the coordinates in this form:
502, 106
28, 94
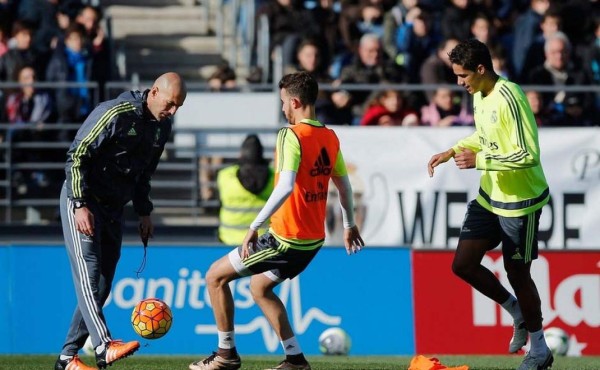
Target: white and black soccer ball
557, 340
334, 341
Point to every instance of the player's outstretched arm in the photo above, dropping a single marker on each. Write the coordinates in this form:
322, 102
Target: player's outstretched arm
438, 159
352, 240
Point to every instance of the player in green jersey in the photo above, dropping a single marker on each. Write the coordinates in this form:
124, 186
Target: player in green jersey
511, 195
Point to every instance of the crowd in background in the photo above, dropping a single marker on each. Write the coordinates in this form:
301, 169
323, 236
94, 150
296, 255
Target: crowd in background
536, 42
47, 41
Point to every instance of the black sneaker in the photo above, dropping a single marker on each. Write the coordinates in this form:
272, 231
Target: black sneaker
73, 363
116, 350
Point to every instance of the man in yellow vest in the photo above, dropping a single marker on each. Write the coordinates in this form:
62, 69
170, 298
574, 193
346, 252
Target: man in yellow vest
307, 156
243, 190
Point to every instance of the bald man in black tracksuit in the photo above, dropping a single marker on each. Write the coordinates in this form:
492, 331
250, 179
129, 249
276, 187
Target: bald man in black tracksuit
110, 163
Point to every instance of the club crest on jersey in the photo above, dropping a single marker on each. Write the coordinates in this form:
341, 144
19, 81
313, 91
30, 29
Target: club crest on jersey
494, 117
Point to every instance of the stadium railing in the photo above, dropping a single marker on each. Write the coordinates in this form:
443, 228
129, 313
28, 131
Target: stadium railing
177, 184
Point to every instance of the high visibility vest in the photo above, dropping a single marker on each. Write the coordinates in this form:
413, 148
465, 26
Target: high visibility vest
239, 207
302, 215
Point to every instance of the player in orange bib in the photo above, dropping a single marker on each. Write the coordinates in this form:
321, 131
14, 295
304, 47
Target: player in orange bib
307, 156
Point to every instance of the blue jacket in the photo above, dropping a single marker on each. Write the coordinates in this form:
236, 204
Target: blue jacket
115, 153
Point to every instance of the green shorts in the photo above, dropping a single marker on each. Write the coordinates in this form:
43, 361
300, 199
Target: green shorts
276, 261
519, 235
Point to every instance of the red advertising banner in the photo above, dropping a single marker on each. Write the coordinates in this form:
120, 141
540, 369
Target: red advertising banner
453, 318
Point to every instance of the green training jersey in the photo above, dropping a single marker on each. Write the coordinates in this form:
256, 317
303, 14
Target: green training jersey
508, 152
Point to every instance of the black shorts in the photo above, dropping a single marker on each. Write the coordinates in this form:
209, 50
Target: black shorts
519, 235
268, 256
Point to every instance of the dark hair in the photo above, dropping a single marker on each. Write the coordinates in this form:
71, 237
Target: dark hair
22, 26
254, 171
301, 85
76, 28
470, 54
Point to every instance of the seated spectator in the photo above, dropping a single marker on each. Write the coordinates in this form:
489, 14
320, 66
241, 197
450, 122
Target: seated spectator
525, 30
20, 55
358, 19
289, 23
308, 57
456, 19
327, 19
537, 107
574, 113
96, 42
28, 110
387, 108
223, 79
591, 59
550, 24
500, 63
3, 41
557, 70
437, 69
446, 109
415, 40
71, 62
392, 21
368, 67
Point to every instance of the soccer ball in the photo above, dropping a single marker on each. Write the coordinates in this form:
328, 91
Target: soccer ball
557, 340
334, 341
151, 318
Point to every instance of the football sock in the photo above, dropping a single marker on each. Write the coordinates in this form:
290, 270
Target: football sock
100, 348
64, 357
538, 343
512, 306
291, 346
226, 339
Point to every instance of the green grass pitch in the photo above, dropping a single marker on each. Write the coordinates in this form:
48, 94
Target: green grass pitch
141, 362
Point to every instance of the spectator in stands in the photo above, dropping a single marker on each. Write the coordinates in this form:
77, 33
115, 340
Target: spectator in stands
549, 25
358, 19
591, 59
223, 78
289, 22
368, 67
71, 62
414, 41
456, 19
21, 55
96, 42
388, 108
327, 19
40, 14
557, 70
28, 110
526, 28
3, 40
499, 62
50, 34
537, 107
243, 190
446, 109
392, 21
437, 69
575, 112
308, 58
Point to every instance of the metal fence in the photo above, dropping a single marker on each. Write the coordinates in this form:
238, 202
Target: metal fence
183, 187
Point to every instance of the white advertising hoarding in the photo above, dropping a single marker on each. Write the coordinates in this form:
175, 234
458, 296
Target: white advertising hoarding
399, 204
